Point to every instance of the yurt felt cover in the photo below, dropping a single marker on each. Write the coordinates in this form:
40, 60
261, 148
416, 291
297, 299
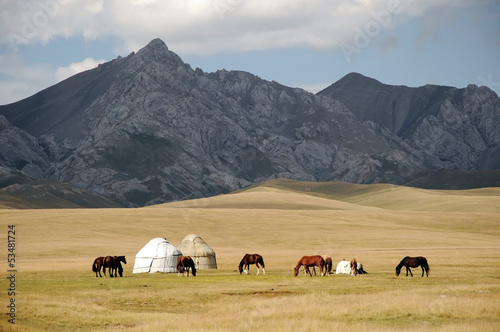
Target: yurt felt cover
158, 255
343, 267
201, 253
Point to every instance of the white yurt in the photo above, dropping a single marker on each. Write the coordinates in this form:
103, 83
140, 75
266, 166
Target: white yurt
201, 253
343, 267
158, 255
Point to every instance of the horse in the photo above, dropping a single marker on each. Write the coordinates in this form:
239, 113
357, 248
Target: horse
113, 263
308, 261
97, 265
184, 263
354, 266
361, 269
251, 259
413, 262
328, 265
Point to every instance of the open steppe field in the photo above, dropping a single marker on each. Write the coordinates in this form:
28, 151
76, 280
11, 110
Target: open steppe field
458, 232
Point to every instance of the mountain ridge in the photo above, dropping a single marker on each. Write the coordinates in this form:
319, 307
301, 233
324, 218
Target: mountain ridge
148, 129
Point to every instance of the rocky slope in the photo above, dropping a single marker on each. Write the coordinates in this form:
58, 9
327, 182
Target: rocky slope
147, 129
453, 128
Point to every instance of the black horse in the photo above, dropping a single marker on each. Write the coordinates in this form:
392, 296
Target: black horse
413, 262
113, 263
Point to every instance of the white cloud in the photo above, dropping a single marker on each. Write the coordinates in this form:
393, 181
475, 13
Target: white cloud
194, 27
63, 73
201, 26
20, 80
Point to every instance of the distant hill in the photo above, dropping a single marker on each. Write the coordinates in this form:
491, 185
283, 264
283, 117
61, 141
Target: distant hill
147, 129
299, 195
19, 192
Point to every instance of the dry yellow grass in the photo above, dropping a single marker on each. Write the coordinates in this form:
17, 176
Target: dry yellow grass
56, 289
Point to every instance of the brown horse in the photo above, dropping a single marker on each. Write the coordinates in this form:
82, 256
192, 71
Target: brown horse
307, 262
354, 266
97, 265
113, 263
251, 259
413, 262
328, 265
184, 263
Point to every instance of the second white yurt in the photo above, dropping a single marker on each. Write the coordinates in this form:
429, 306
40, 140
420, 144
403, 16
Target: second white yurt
201, 253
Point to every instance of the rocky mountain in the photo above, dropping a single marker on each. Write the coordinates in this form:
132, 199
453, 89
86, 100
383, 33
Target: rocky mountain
147, 129
452, 128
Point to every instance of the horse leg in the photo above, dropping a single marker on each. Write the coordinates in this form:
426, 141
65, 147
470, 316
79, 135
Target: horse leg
257, 266
246, 268
408, 269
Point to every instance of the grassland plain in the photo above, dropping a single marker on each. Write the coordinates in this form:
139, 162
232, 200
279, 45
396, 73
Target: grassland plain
458, 231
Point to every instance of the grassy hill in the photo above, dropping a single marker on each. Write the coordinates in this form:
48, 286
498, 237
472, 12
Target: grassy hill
20, 192
458, 232
296, 195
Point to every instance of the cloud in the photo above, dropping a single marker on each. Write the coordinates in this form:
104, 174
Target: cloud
201, 26
63, 73
20, 79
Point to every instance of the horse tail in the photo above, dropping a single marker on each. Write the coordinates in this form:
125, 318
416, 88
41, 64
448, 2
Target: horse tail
94, 266
262, 262
193, 268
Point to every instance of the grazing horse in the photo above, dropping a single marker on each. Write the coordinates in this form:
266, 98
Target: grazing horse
113, 263
184, 263
354, 266
308, 261
413, 262
251, 259
328, 265
97, 265
361, 269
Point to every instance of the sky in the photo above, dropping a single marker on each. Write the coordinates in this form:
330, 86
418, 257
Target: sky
299, 43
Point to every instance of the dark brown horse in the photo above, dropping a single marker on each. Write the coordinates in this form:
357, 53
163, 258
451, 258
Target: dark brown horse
413, 262
251, 259
97, 266
328, 264
309, 261
184, 263
113, 263
354, 266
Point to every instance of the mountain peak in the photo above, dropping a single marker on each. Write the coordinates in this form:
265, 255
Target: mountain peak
156, 43
157, 50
